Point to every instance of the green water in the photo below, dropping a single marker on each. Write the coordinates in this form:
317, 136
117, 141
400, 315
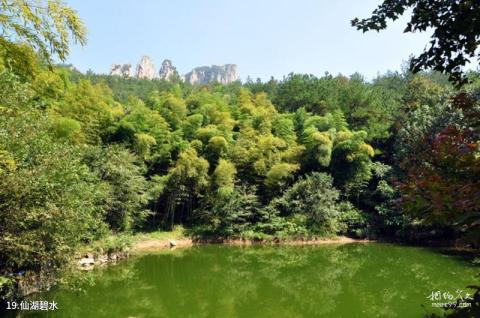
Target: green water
353, 280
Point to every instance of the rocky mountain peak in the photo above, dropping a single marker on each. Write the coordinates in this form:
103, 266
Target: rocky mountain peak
223, 74
146, 68
123, 70
167, 71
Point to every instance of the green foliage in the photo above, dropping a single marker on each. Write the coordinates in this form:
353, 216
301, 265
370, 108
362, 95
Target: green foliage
232, 215
351, 163
67, 128
146, 131
86, 155
92, 106
122, 181
47, 26
280, 174
21, 60
315, 197
224, 178
454, 39
441, 180
349, 101
50, 200
422, 91
352, 221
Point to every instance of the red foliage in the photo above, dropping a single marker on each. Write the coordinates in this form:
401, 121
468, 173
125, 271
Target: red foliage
443, 177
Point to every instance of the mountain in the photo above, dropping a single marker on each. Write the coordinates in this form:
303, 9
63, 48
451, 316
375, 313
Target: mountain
123, 70
223, 74
146, 69
168, 71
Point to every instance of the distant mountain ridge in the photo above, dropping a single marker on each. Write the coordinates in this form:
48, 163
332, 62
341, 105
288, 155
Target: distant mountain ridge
145, 69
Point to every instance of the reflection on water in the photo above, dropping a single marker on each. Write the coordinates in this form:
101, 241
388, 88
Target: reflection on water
354, 280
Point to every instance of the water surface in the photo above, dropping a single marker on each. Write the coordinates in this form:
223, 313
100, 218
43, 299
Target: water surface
352, 280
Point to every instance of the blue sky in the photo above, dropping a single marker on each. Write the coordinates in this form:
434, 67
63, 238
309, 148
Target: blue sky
263, 37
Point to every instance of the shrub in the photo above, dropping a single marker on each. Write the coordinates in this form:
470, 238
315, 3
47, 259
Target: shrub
315, 197
351, 220
233, 214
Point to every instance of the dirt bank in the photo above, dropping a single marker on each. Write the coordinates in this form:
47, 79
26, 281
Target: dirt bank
158, 244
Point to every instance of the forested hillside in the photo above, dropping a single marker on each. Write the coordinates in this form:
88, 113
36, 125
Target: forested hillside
84, 156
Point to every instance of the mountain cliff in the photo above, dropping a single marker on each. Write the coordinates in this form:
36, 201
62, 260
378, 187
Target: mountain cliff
223, 74
146, 68
123, 70
168, 71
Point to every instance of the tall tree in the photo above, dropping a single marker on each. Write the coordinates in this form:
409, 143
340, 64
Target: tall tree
455, 37
48, 26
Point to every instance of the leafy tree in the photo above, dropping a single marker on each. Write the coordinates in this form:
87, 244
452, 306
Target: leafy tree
123, 182
283, 126
351, 161
92, 106
49, 200
183, 187
442, 171
315, 197
18, 59
171, 107
224, 178
147, 132
280, 175
420, 91
47, 26
233, 215
455, 31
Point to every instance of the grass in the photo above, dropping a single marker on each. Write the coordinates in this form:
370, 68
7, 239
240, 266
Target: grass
109, 244
123, 242
177, 233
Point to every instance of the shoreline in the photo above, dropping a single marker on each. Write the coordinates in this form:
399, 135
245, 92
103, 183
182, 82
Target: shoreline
162, 244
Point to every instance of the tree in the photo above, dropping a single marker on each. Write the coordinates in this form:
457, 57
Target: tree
232, 215
224, 178
47, 26
124, 185
315, 197
456, 31
92, 106
49, 200
441, 162
183, 187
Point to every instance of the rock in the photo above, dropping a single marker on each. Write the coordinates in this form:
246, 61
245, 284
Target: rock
172, 243
146, 69
167, 71
102, 259
123, 70
86, 261
223, 74
32, 283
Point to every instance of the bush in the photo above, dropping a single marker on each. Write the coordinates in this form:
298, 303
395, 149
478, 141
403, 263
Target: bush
123, 184
231, 215
352, 221
49, 199
315, 197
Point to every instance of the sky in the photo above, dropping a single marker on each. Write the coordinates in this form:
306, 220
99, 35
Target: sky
263, 37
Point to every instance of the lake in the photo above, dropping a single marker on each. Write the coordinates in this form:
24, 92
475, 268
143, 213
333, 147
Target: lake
351, 280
